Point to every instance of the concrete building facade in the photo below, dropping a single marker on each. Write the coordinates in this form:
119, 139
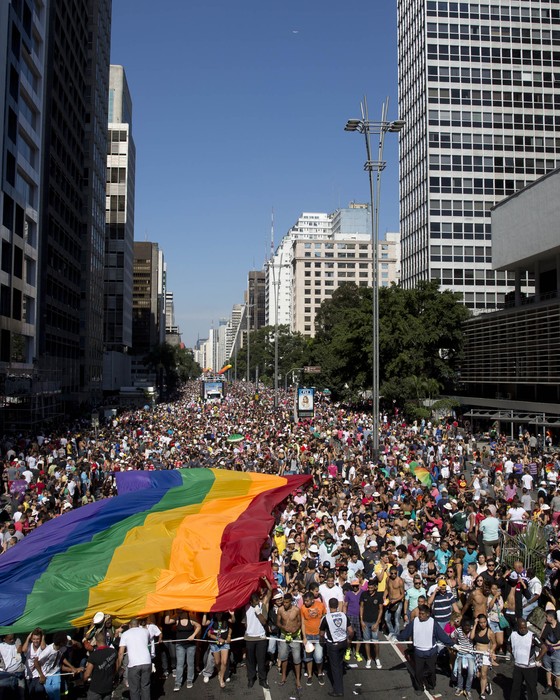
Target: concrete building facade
119, 233
72, 217
512, 356
23, 31
480, 100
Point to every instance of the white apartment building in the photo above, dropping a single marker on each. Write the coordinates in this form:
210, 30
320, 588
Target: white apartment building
279, 269
478, 90
313, 256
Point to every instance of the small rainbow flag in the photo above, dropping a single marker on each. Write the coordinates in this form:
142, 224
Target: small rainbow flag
188, 538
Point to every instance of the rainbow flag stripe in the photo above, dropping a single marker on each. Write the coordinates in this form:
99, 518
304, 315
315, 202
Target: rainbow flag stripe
187, 538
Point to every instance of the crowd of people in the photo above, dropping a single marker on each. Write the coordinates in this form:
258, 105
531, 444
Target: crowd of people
373, 551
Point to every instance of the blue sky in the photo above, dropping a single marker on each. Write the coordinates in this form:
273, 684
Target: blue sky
238, 108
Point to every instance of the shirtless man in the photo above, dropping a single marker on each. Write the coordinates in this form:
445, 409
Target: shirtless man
288, 621
394, 597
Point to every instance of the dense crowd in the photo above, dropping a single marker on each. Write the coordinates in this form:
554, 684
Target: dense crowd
369, 552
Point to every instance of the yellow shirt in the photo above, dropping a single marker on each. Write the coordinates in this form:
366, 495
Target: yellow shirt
381, 577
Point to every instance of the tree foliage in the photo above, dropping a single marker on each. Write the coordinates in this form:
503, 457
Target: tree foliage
173, 365
293, 352
420, 341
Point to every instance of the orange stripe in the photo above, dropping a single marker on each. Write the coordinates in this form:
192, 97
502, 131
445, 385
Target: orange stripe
191, 581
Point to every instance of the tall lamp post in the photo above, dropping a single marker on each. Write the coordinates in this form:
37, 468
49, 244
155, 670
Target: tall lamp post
275, 294
379, 128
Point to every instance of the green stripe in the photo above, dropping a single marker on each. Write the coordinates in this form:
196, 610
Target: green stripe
61, 594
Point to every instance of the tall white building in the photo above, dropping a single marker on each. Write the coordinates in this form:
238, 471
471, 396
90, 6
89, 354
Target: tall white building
119, 234
279, 268
478, 90
289, 273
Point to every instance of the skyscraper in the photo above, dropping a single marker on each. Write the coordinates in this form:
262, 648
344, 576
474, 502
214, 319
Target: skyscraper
72, 225
478, 89
22, 68
119, 233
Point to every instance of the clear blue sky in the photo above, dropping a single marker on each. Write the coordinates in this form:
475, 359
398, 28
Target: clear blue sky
238, 108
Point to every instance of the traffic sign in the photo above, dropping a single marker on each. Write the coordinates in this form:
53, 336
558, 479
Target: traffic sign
312, 370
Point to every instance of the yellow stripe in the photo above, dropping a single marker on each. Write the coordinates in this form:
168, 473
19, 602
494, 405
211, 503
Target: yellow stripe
191, 581
173, 559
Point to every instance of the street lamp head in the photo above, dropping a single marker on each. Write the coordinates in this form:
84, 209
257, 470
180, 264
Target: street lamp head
396, 125
354, 125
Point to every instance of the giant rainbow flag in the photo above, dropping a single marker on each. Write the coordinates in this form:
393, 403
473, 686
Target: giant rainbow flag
187, 538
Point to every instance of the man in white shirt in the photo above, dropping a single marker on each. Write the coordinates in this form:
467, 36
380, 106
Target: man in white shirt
329, 590
51, 663
11, 663
136, 641
256, 644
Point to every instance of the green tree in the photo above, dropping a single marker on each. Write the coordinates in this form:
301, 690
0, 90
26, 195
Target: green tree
420, 341
173, 365
293, 351
343, 340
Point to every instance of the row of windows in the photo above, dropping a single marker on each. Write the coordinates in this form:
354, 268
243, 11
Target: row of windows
481, 231
490, 164
320, 254
443, 185
490, 186
338, 246
466, 140
496, 76
465, 10
487, 98
489, 120
486, 54
331, 266
503, 33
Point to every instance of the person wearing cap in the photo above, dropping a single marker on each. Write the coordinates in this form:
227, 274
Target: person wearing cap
334, 632
442, 602
312, 612
425, 633
535, 590
275, 605
370, 557
371, 613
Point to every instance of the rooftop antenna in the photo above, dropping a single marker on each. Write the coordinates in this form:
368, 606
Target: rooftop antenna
272, 234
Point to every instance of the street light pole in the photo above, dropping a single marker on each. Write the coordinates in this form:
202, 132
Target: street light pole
379, 128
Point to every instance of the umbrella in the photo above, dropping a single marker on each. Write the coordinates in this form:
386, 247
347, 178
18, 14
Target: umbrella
413, 466
423, 476
236, 437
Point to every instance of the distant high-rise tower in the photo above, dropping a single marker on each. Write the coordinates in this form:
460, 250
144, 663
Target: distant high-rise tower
72, 225
148, 304
478, 90
119, 233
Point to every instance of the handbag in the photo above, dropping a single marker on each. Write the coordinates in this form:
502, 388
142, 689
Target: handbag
502, 621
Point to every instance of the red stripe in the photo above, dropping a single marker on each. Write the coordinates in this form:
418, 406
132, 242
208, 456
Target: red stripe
240, 565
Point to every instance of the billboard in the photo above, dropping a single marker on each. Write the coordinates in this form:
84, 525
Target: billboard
305, 402
213, 390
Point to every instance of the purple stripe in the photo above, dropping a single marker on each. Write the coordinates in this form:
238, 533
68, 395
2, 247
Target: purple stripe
136, 480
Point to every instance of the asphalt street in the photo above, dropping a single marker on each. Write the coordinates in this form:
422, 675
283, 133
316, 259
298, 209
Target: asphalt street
392, 681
